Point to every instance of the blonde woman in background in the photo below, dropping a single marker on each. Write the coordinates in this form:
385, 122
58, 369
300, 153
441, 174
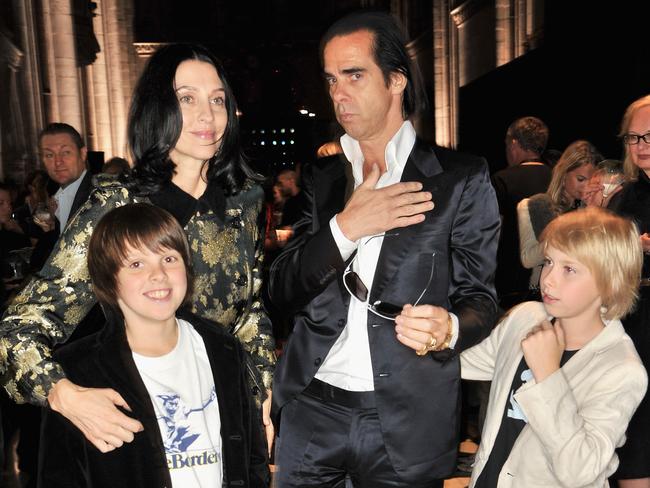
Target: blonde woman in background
634, 202
565, 192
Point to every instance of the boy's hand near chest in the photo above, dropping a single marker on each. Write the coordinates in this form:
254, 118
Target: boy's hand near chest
543, 347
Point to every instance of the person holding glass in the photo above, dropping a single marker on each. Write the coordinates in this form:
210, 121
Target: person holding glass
566, 191
184, 136
633, 201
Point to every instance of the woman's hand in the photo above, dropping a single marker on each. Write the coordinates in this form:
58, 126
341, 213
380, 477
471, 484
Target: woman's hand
93, 411
266, 419
594, 194
11, 225
645, 242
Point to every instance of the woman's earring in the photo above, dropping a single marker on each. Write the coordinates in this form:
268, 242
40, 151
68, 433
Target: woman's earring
603, 310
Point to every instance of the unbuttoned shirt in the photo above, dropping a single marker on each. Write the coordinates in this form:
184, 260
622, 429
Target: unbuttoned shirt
348, 364
64, 199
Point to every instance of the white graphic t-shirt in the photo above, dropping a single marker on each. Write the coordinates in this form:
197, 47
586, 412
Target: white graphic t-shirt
181, 387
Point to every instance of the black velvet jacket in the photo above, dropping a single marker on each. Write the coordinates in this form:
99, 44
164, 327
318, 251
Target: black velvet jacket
104, 360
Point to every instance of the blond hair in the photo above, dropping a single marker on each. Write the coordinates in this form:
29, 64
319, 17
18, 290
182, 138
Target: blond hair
577, 154
609, 246
631, 170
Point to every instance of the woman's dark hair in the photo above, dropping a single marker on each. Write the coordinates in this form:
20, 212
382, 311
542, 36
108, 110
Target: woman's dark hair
155, 124
139, 225
389, 50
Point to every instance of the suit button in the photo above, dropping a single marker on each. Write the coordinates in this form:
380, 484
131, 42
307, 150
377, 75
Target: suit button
242, 280
318, 361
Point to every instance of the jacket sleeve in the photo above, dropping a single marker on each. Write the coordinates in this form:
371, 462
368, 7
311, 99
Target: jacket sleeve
62, 461
258, 470
479, 362
580, 440
530, 249
254, 329
474, 240
51, 305
310, 261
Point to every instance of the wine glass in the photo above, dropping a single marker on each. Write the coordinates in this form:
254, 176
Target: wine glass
16, 265
43, 215
610, 182
611, 175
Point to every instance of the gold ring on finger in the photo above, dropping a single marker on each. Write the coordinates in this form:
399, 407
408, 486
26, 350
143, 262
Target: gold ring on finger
433, 342
423, 351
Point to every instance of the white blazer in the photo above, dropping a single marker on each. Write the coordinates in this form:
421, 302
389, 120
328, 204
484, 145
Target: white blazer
577, 416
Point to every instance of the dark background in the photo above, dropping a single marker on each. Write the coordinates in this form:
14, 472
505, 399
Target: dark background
593, 61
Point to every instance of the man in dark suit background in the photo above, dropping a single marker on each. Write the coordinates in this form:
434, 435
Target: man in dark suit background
63, 154
362, 395
526, 175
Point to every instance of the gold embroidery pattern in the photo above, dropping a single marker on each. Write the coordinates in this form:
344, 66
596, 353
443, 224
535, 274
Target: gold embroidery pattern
226, 258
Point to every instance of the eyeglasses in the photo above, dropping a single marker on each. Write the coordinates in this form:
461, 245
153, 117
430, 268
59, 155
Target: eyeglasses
358, 290
633, 139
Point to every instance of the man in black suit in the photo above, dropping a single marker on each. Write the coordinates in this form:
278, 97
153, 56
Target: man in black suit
526, 175
360, 394
63, 154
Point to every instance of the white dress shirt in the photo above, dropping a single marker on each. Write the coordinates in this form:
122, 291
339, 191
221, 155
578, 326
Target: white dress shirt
64, 199
348, 364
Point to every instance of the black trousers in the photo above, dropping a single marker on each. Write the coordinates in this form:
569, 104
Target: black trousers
328, 436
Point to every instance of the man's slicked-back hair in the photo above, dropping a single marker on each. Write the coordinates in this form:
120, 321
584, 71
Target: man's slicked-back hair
139, 225
389, 51
61, 128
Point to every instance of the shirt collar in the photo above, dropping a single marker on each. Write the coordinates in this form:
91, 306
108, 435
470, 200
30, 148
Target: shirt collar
183, 205
396, 153
72, 188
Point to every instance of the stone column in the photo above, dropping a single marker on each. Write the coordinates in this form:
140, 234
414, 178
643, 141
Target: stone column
63, 102
445, 72
504, 10
100, 137
118, 84
521, 21
31, 105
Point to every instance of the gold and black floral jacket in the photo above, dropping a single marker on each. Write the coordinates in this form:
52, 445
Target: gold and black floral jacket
226, 242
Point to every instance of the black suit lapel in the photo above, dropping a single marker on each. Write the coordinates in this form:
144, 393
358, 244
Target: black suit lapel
115, 361
422, 165
82, 193
333, 185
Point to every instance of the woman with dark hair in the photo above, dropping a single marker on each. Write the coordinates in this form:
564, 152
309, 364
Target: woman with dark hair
184, 137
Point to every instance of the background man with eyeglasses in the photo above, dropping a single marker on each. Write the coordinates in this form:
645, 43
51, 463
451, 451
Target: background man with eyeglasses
362, 396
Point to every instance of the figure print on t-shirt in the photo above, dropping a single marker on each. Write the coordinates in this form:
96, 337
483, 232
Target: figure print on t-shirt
515, 411
179, 434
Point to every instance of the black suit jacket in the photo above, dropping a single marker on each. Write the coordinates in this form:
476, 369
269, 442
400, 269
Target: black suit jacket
47, 240
104, 360
417, 397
